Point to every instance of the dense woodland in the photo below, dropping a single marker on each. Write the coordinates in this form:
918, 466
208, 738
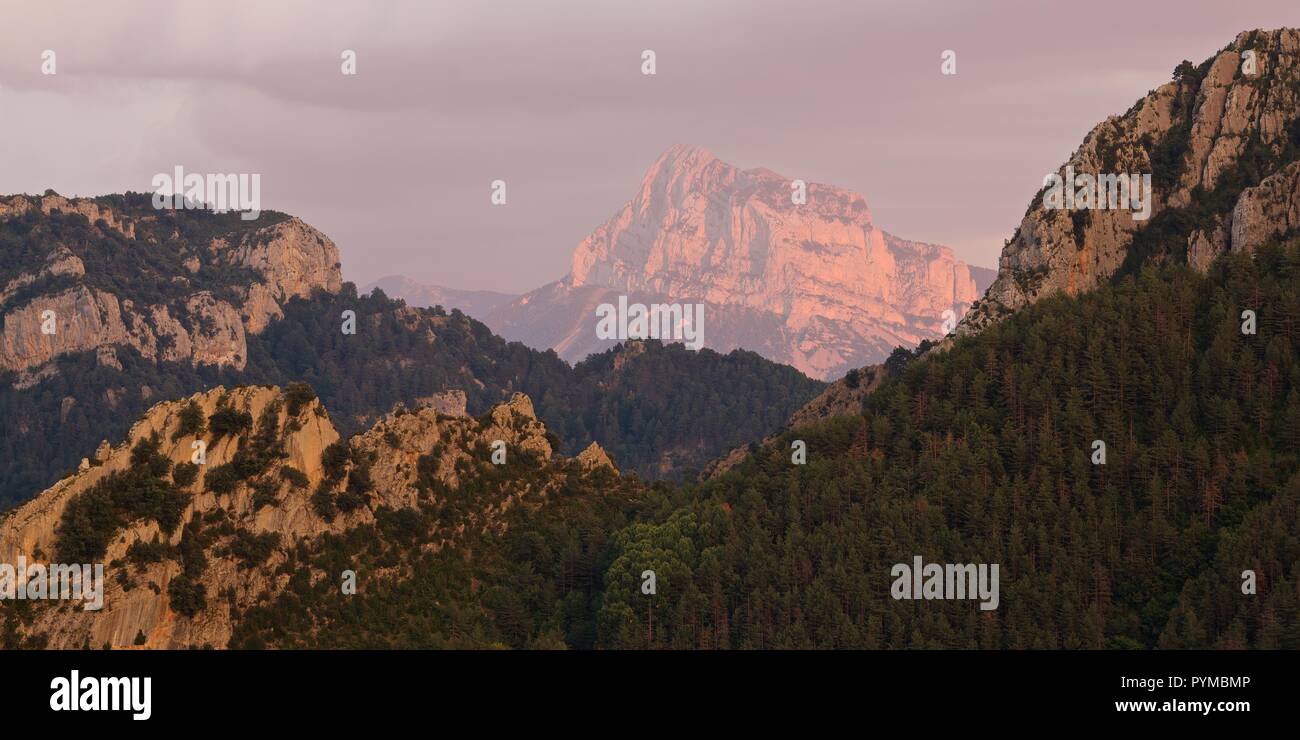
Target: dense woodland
983, 454
978, 454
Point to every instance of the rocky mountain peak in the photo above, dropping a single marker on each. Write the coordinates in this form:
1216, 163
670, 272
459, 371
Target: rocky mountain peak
796, 271
595, 457
1219, 143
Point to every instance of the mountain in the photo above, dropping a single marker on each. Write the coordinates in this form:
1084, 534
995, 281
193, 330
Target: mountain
980, 454
984, 453
1221, 143
1126, 452
1223, 149
816, 285
473, 302
1100, 328
197, 554
155, 305
983, 450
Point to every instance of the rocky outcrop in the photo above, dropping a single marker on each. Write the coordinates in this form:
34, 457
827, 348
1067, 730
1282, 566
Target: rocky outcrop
515, 423
294, 260
595, 457
813, 284
397, 459
451, 402
1201, 137
843, 397
60, 262
81, 319
93, 212
1270, 210
208, 326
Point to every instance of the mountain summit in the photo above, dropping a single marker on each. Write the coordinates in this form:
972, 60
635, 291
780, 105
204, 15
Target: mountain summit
811, 282
1221, 143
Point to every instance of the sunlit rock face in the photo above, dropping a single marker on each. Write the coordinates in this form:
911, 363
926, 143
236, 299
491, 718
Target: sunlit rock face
1203, 137
224, 288
810, 282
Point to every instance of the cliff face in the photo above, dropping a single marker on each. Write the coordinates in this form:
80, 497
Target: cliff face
1207, 139
227, 281
305, 483
816, 285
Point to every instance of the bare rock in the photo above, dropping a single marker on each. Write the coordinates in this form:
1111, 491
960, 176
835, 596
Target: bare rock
594, 457
816, 285
450, 402
1051, 252
292, 258
1268, 210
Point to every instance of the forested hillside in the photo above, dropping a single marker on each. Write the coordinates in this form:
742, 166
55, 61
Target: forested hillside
979, 454
983, 454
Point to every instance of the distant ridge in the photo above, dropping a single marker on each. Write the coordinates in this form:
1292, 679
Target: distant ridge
477, 303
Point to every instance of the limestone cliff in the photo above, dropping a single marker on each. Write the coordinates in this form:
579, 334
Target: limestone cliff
813, 283
1207, 139
165, 283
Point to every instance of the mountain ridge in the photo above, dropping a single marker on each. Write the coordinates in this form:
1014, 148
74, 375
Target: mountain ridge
477, 303
283, 479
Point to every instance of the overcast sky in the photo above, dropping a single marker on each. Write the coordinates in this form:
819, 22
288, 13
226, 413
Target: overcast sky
395, 164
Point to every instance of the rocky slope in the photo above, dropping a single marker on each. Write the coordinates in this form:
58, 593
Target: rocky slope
199, 283
1220, 142
814, 285
277, 481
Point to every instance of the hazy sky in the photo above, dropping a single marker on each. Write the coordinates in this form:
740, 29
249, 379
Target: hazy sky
395, 164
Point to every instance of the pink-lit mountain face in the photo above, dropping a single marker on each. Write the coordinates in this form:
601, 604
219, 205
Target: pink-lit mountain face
813, 284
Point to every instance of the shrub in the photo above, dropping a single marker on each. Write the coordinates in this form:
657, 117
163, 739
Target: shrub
296, 477
264, 492
91, 518
184, 473
223, 478
297, 395
334, 460
228, 421
144, 553
253, 549
322, 501
187, 597
192, 422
